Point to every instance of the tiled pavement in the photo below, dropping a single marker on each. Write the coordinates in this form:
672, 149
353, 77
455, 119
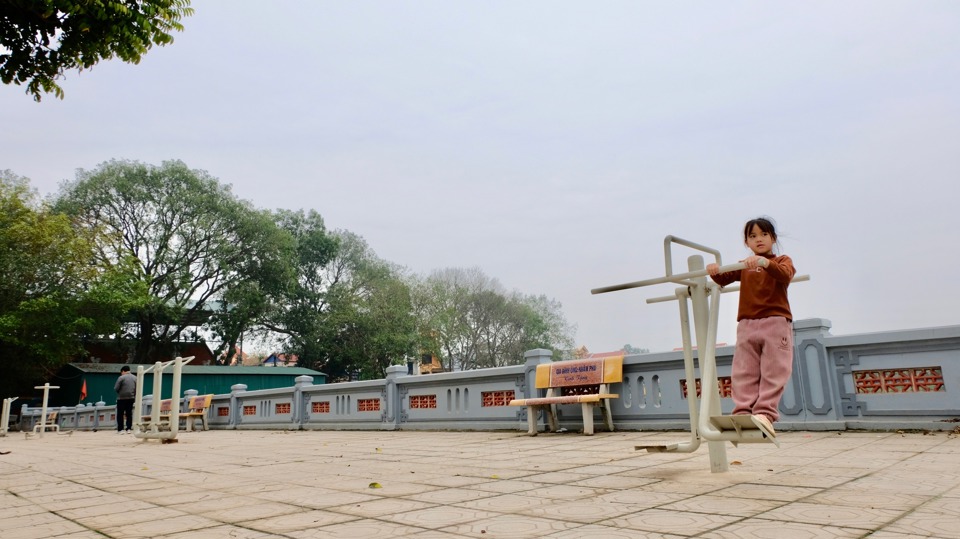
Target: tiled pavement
434, 485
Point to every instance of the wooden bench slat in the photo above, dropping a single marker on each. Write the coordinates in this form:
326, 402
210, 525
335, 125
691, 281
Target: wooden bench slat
568, 399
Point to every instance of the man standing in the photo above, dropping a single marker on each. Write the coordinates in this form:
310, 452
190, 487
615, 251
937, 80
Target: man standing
126, 388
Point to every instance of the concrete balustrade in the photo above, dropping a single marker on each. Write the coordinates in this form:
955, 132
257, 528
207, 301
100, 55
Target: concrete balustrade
906, 379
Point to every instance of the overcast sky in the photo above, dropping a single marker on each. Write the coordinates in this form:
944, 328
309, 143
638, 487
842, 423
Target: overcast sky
555, 144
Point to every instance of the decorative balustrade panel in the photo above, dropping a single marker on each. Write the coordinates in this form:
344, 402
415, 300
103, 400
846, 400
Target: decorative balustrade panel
877, 380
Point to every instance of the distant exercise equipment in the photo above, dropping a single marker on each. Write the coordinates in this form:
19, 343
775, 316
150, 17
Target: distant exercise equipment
5, 416
706, 421
43, 426
165, 429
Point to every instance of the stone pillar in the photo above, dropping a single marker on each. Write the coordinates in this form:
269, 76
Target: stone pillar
391, 417
236, 413
811, 328
301, 412
96, 414
185, 401
532, 358
812, 393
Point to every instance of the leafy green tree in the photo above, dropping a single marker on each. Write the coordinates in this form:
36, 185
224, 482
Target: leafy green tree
299, 316
53, 293
470, 321
439, 303
372, 325
349, 310
192, 243
42, 39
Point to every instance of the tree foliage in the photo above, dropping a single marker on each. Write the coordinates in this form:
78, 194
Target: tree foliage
469, 321
53, 294
167, 249
298, 317
630, 349
349, 311
190, 242
45, 38
372, 321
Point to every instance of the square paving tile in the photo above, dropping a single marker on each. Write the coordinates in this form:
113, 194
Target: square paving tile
101, 509
232, 515
449, 496
434, 518
833, 515
850, 496
108, 519
767, 529
509, 527
723, 505
38, 526
380, 507
157, 528
226, 531
664, 521
297, 521
586, 511
605, 532
506, 503
768, 492
639, 499
927, 524
212, 501
357, 529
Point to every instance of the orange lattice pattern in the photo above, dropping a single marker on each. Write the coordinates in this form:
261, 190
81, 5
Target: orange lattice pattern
282, 408
497, 398
423, 401
223, 411
909, 380
368, 405
724, 384
250, 410
320, 407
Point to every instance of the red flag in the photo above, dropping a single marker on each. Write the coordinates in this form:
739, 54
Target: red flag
83, 391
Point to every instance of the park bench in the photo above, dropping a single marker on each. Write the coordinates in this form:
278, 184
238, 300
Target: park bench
196, 409
583, 381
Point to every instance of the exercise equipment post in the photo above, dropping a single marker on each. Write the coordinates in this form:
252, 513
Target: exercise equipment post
5, 415
163, 430
706, 421
42, 427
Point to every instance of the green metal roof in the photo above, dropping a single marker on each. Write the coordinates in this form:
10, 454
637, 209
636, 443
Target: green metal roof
203, 369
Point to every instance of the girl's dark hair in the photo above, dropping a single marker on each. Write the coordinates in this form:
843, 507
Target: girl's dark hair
765, 224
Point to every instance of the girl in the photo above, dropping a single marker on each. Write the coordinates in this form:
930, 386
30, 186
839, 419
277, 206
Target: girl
763, 358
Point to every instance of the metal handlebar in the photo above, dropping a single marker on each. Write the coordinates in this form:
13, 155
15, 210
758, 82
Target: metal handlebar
680, 278
664, 299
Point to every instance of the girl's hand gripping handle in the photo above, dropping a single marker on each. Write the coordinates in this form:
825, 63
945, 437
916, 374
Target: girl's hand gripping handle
751, 262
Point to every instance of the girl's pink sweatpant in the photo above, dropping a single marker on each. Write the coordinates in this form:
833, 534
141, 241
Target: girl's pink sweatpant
762, 363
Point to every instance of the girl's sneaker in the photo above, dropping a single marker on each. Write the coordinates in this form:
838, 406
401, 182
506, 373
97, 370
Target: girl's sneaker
766, 427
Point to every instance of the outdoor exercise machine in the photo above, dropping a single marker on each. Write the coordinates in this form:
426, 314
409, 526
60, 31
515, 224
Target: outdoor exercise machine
5, 415
42, 427
160, 428
706, 419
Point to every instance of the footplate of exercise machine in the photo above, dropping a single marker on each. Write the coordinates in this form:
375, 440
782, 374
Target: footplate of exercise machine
658, 448
744, 426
